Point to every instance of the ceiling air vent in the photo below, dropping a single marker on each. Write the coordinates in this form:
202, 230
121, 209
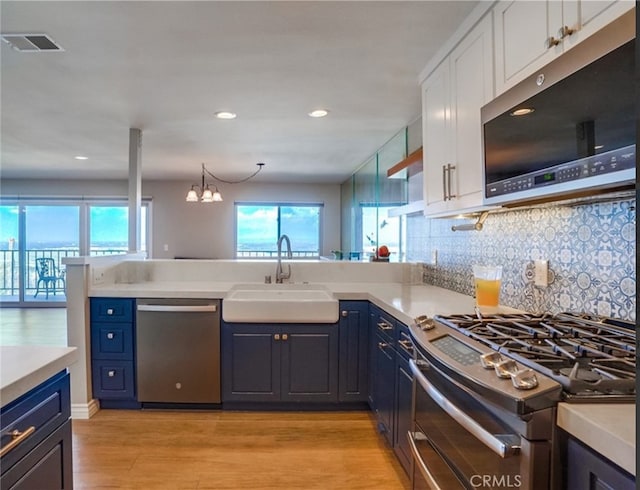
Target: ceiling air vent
31, 43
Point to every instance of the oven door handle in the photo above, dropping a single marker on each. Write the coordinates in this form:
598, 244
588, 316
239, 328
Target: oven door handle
422, 467
504, 445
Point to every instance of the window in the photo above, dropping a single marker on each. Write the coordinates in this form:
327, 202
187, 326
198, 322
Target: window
57, 228
258, 227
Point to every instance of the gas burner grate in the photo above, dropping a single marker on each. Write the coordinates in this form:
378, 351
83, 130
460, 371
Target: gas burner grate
588, 355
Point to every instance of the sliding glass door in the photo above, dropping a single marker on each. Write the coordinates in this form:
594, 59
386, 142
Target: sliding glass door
36, 236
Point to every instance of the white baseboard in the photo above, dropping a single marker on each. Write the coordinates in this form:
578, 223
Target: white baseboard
84, 411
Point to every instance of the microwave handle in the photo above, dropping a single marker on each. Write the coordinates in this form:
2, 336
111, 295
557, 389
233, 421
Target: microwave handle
504, 445
422, 467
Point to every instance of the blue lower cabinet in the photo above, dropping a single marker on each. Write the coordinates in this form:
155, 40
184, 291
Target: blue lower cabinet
113, 380
43, 459
279, 363
354, 351
588, 470
403, 418
384, 386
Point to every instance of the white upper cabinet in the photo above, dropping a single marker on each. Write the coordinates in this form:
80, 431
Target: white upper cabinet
529, 34
452, 131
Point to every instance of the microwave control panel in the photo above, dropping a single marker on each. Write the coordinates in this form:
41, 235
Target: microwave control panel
585, 168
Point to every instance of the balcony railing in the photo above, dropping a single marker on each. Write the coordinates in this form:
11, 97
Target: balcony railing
10, 269
272, 254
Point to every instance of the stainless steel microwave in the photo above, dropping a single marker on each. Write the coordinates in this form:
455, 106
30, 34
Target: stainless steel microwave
569, 130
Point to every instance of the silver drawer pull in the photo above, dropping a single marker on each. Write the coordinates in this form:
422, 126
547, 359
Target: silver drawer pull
415, 437
385, 326
16, 438
109, 311
111, 373
110, 336
178, 308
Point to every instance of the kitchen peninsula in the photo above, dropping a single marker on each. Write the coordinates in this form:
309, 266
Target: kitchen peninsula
396, 289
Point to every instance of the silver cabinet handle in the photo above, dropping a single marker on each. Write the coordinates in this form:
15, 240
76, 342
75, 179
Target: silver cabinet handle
449, 169
422, 467
444, 182
503, 445
110, 336
385, 326
178, 308
111, 374
285, 336
276, 336
109, 311
383, 345
345, 313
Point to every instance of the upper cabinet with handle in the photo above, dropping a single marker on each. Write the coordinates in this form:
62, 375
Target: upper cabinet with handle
452, 96
530, 34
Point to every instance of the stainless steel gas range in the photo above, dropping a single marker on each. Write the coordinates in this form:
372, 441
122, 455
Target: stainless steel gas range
486, 390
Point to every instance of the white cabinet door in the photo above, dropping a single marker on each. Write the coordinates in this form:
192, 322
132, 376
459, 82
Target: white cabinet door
435, 136
452, 131
471, 87
531, 33
523, 31
584, 17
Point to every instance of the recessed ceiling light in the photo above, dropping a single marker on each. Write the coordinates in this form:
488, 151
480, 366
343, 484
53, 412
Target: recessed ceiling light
522, 112
319, 113
226, 115
81, 157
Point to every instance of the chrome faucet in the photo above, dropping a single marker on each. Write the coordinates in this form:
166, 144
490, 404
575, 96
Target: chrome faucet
280, 274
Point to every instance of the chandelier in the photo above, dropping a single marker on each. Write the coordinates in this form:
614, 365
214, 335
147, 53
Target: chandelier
206, 193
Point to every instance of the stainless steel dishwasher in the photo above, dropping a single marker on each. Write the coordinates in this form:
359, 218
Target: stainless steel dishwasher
178, 350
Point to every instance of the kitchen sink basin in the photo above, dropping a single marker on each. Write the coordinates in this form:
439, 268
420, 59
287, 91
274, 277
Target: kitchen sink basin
280, 303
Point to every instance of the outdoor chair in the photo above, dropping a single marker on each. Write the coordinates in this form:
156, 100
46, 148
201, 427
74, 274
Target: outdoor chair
50, 277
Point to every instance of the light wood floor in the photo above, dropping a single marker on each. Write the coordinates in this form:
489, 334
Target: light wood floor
178, 450
232, 450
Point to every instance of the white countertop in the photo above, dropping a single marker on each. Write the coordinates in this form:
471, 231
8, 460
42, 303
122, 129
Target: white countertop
609, 429
25, 367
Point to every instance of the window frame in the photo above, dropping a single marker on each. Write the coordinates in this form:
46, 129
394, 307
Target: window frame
279, 205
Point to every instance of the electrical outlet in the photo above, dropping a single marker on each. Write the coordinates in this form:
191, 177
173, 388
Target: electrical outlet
541, 273
434, 256
166, 247
98, 276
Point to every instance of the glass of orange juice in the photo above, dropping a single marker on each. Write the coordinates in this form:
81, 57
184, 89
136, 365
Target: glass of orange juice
487, 279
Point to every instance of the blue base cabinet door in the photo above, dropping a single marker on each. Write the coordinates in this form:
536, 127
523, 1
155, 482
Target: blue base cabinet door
250, 363
354, 351
385, 387
279, 363
309, 363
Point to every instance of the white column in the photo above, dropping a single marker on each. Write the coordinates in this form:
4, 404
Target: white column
135, 188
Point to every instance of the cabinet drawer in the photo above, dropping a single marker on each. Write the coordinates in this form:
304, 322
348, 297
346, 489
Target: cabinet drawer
47, 467
113, 379
385, 325
112, 341
44, 408
404, 345
112, 310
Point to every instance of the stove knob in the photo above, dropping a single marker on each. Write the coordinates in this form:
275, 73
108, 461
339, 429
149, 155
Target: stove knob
525, 379
506, 369
424, 322
490, 359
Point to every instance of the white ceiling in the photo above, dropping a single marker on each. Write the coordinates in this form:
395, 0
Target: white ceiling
166, 67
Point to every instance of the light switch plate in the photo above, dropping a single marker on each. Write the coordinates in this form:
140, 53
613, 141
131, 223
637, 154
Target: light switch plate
541, 273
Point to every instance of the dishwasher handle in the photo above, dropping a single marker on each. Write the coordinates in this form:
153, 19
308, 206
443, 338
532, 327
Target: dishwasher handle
178, 308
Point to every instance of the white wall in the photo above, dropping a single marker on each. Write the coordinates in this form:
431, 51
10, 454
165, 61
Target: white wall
193, 229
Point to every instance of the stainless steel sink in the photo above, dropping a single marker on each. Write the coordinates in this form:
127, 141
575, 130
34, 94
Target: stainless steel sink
280, 303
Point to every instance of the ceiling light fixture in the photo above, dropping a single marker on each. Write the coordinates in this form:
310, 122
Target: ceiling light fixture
81, 157
204, 193
318, 113
225, 115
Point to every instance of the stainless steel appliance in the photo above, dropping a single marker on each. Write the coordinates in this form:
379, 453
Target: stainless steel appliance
486, 390
570, 128
178, 351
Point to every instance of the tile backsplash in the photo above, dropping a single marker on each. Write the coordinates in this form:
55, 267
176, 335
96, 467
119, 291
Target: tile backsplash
591, 249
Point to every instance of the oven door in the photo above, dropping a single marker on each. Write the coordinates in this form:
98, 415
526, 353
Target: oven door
459, 443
